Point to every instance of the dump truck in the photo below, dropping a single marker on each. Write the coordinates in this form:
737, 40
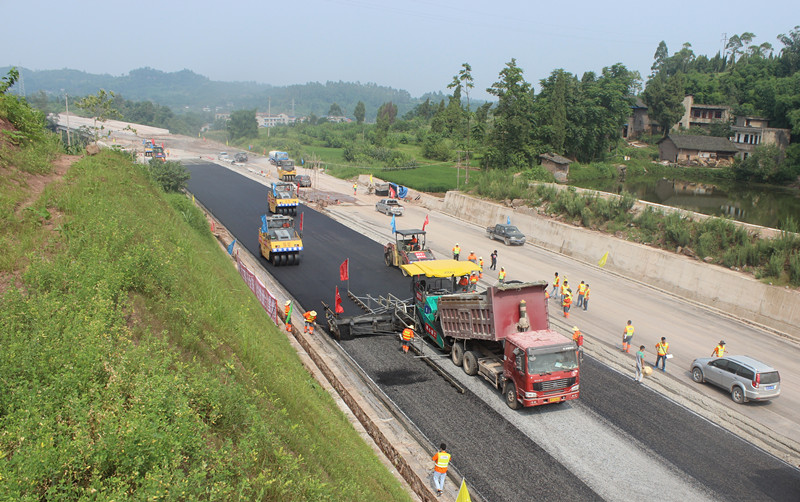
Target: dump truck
502, 333
408, 247
275, 156
279, 241
282, 198
158, 153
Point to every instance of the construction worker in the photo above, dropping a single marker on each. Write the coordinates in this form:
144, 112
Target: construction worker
586, 298
463, 283
287, 312
414, 243
472, 257
406, 337
493, 257
473, 281
501, 277
480, 262
310, 317
441, 460
456, 251
627, 336
556, 281
577, 337
564, 287
719, 350
581, 294
566, 302
662, 350
355, 187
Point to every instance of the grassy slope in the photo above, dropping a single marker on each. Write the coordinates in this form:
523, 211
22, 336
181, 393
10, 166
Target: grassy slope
136, 364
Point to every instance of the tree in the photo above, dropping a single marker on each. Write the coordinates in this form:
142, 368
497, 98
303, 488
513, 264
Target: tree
386, 115
360, 112
664, 99
659, 58
243, 124
335, 111
790, 53
100, 106
512, 136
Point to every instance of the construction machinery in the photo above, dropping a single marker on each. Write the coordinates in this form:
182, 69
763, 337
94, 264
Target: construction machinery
282, 198
408, 247
279, 241
286, 170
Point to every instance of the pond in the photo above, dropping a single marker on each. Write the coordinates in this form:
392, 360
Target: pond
764, 205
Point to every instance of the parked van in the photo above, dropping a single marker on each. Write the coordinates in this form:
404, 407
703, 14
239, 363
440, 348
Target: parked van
744, 377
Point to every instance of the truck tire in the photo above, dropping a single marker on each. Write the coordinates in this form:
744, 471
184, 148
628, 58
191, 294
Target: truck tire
290, 259
506, 241
457, 354
297, 258
470, 363
510, 395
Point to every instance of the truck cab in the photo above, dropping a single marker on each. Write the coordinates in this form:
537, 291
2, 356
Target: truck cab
408, 247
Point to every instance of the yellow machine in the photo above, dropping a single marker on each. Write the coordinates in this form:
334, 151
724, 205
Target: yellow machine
282, 198
280, 243
286, 170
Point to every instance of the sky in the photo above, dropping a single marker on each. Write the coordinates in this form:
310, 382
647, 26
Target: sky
415, 45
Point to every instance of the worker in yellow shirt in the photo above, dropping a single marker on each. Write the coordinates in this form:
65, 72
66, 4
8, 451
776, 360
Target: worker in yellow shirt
719, 350
456, 251
662, 351
501, 277
586, 298
441, 460
627, 336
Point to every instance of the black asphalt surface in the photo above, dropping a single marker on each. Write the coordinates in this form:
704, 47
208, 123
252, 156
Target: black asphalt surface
495, 457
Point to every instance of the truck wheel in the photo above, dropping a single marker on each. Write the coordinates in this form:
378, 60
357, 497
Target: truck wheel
506, 241
457, 354
290, 259
510, 393
282, 259
470, 363
297, 258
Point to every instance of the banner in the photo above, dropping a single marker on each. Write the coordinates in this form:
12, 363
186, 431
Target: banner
394, 228
230, 247
265, 298
301, 222
463, 493
338, 303
603, 260
508, 220
344, 270
425, 223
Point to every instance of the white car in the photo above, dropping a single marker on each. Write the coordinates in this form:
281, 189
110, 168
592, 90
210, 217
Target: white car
389, 206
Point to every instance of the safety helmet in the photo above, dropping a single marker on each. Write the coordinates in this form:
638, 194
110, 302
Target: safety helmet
575, 328
313, 313
288, 302
410, 326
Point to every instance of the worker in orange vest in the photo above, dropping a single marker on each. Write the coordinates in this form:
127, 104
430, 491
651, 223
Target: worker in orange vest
355, 187
480, 262
463, 283
581, 294
566, 302
586, 298
310, 317
406, 337
627, 336
473, 281
472, 257
441, 460
564, 287
662, 350
456, 251
556, 280
719, 350
287, 312
501, 277
577, 337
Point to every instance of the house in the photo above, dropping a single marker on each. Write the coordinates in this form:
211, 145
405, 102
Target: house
557, 165
749, 132
697, 115
639, 122
269, 120
710, 151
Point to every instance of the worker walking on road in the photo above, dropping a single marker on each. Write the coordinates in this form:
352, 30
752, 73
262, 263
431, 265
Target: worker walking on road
456, 251
639, 364
627, 336
581, 294
441, 460
556, 282
719, 350
309, 317
480, 262
406, 337
577, 337
493, 256
501, 277
586, 298
662, 350
287, 312
355, 187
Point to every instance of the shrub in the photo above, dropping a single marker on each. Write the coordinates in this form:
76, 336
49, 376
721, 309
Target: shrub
794, 269
171, 176
775, 265
676, 230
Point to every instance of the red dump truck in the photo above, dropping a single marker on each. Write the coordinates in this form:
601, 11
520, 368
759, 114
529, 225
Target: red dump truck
502, 334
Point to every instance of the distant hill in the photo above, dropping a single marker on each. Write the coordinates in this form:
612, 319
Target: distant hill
187, 91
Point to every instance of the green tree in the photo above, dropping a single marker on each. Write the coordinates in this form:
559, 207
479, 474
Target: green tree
790, 53
512, 135
659, 58
360, 112
100, 106
765, 164
335, 111
243, 124
386, 116
664, 99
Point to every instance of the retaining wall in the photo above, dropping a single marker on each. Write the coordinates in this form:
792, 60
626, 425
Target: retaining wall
727, 290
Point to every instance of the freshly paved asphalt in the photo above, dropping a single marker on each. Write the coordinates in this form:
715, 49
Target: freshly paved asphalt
495, 457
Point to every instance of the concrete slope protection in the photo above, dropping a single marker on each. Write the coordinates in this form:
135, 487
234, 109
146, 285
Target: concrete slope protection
497, 457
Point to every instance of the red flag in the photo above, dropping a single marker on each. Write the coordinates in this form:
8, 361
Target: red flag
301, 222
338, 303
392, 193
344, 270
425, 222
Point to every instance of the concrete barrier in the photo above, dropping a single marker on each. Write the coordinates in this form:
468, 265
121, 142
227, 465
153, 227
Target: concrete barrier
718, 287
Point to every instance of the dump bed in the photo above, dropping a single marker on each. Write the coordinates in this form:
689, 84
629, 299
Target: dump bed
493, 314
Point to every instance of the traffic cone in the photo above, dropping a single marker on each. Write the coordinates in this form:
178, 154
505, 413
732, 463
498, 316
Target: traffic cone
212, 226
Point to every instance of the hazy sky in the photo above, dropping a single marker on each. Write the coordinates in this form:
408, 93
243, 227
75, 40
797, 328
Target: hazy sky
415, 45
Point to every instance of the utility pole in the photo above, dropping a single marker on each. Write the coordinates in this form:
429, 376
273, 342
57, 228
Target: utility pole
466, 154
724, 43
269, 114
69, 139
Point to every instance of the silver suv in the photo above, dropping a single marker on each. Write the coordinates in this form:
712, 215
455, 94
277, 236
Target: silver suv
744, 377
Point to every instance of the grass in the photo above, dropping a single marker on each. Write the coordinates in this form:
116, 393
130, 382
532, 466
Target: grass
137, 365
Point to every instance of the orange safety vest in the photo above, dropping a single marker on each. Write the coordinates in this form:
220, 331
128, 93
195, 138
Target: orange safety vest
442, 460
629, 330
581, 289
501, 275
473, 279
463, 281
587, 293
719, 351
556, 281
457, 250
286, 310
309, 318
408, 334
567, 301
480, 263
577, 337
662, 348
